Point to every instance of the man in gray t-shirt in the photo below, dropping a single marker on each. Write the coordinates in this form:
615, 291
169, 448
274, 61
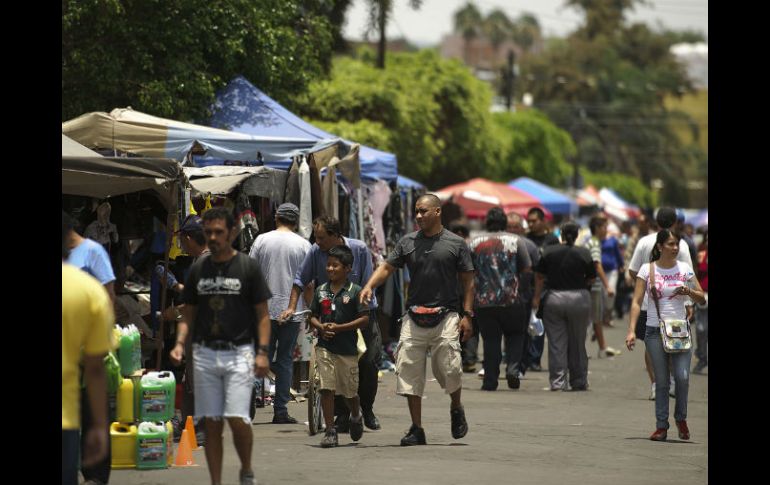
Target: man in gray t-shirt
435, 258
280, 254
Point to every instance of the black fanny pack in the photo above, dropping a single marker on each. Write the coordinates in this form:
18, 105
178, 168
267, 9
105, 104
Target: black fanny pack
427, 317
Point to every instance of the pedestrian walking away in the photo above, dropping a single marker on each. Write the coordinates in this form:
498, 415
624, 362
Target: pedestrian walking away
436, 318
279, 254
328, 233
672, 282
225, 302
500, 258
567, 271
337, 314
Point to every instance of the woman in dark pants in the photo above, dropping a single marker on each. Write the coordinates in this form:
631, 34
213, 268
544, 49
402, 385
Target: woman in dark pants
566, 309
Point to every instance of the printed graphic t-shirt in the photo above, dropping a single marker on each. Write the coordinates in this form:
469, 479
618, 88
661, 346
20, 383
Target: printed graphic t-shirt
666, 281
225, 295
498, 258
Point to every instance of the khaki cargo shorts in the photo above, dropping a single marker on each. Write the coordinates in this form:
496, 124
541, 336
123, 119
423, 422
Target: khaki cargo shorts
412, 352
338, 373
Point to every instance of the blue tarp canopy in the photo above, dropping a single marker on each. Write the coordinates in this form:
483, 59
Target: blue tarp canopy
243, 108
409, 183
554, 201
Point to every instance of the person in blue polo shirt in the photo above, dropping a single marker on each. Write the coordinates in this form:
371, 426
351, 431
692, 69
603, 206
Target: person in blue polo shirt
337, 313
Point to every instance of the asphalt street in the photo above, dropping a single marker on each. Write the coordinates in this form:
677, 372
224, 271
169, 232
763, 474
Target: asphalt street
524, 436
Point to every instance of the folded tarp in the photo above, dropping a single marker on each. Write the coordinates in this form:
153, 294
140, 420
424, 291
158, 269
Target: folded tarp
243, 108
221, 180
103, 177
134, 132
554, 201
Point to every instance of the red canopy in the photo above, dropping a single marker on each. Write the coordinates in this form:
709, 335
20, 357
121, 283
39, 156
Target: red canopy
478, 195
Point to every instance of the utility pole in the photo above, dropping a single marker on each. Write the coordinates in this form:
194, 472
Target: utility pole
508, 78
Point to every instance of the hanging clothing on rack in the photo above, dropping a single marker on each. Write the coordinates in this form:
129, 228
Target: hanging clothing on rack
379, 196
330, 193
293, 191
306, 217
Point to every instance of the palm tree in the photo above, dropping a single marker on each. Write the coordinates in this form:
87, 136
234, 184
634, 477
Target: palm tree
497, 27
526, 31
379, 13
468, 22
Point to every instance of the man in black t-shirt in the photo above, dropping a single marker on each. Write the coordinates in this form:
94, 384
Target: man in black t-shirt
435, 258
542, 237
225, 298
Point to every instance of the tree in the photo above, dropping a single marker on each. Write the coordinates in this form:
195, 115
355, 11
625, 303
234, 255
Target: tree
497, 27
467, 21
526, 31
435, 113
606, 84
379, 13
168, 57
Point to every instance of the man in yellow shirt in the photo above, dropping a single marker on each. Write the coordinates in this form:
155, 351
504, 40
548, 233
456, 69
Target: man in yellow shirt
86, 328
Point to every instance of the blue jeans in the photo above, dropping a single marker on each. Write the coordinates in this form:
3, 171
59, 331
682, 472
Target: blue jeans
70, 456
702, 334
285, 335
660, 365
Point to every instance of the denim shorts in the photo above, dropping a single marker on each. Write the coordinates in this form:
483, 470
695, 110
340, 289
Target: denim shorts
224, 380
641, 325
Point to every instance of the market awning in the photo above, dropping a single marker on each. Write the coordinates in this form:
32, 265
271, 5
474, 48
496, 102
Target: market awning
135, 132
553, 200
103, 177
244, 108
221, 180
71, 148
478, 195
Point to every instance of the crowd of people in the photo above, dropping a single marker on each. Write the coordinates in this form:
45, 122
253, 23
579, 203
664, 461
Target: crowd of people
240, 314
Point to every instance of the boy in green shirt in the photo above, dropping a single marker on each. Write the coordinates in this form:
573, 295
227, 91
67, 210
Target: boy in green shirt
337, 313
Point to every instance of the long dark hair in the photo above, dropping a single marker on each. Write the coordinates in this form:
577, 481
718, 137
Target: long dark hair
569, 232
663, 235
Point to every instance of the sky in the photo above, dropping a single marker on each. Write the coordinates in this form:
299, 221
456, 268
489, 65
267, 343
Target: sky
433, 20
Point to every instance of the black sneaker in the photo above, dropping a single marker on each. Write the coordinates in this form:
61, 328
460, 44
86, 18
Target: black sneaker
415, 436
330, 439
370, 420
356, 428
283, 419
342, 423
459, 425
513, 381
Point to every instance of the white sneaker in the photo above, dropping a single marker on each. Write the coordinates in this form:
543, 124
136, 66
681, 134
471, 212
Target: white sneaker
481, 373
652, 392
608, 352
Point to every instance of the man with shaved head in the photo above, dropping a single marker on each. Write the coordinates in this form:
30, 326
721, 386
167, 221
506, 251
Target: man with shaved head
437, 315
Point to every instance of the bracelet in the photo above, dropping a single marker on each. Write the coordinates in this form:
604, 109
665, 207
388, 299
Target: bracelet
263, 348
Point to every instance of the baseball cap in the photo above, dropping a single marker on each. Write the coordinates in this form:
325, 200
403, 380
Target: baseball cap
288, 212
191, 224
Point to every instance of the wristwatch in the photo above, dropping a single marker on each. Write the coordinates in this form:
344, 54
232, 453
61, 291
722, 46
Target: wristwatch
263, 349
468, 313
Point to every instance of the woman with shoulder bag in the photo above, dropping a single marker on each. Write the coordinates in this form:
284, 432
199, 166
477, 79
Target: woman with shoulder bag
673, 283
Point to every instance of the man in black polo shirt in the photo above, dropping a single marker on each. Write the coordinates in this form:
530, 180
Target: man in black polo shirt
435, 258
225, 298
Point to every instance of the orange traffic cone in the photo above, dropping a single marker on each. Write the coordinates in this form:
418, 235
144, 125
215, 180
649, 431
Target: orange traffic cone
190, 428
184, 453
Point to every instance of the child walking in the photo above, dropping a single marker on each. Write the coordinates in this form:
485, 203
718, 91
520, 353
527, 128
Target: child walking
337, 314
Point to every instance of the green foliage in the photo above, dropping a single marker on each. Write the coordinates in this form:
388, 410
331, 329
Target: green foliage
168, 57
434, 111
606, 85
629, 188
533, 146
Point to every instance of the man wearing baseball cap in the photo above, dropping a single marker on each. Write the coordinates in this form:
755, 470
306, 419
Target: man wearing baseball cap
280, 254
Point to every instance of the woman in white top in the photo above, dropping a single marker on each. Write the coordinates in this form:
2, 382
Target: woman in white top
674, 283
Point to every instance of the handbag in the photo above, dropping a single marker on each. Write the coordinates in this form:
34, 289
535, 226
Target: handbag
674, 333
427, 317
